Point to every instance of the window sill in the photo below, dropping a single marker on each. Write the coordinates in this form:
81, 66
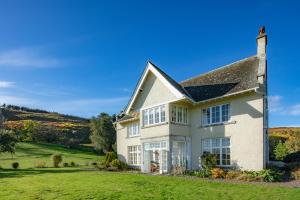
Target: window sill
128, 137
181, 124
152, 125
218, 124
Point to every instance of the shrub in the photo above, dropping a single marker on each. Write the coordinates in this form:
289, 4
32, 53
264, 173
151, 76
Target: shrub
217, 173
109, 157
233, 174
250, 176
72, 164
270, 175
208, 161
296, 173
66, 164
56, 159
40, 164
281, 151
15, 165
292, 157
204, 173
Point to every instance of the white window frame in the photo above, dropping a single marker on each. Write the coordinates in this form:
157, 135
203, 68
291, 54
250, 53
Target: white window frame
134, 155
179, 114
133, 130
204, 114
220, 147
151, 111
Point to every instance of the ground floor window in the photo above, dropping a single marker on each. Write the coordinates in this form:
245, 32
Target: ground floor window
220, 147
134, 155
155, 157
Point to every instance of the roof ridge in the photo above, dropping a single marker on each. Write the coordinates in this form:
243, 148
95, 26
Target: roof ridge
216, 69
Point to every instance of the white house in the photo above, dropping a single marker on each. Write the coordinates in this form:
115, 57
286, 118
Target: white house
168, 125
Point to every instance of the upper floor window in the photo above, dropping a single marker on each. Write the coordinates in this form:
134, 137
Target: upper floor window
179, 114
216, 114
154, 115
133, 130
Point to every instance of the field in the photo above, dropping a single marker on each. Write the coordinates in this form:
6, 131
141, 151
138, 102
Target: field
83, 183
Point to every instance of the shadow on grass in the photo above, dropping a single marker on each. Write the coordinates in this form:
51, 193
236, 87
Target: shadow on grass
16, 173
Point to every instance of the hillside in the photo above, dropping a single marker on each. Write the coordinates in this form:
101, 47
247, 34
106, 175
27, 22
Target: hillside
51, 126
28, 155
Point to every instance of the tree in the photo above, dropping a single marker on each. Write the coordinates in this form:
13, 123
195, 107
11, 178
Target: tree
30, 130
281, 151
8, 141
103, 134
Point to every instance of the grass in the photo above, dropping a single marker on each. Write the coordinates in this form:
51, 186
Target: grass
28, 154
77, 183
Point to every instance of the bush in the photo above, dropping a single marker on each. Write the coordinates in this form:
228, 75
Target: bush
15, 165
72, 164
233, 174
109, 157
118, 164
204, 173
56, 159
66, 164
281, 151
208, 161
292, 157
217, 173
296, 173
40, 164
270, 175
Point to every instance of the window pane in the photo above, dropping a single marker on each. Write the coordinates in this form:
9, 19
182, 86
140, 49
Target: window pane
156, 114
179, 114
206, 116
162, 113
185, 115
225, 112
151, 116
216, 151
145, 117
174, 113
225, 142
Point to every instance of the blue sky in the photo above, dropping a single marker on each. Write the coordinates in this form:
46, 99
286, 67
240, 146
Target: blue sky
84, 57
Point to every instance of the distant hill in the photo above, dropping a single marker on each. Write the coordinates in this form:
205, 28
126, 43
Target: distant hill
283, 129
59, 128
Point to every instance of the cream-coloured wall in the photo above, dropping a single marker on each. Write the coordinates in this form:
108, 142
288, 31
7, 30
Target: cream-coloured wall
246, 131
154, 93
123, 141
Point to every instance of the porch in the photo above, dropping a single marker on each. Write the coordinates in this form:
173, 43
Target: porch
166, 154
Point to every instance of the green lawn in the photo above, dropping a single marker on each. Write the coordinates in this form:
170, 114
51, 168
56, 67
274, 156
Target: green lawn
28, 154
79, 183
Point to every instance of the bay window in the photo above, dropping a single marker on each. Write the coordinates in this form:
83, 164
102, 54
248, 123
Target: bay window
154, 115
216, 114
219, 147
179, 114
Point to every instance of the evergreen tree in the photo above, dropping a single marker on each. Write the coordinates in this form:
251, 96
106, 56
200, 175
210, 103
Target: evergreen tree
103, 134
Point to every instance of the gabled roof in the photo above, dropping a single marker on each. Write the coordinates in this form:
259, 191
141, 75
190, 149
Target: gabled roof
172, 85
230, 79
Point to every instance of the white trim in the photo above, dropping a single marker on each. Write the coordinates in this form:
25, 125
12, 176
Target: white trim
150, 67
